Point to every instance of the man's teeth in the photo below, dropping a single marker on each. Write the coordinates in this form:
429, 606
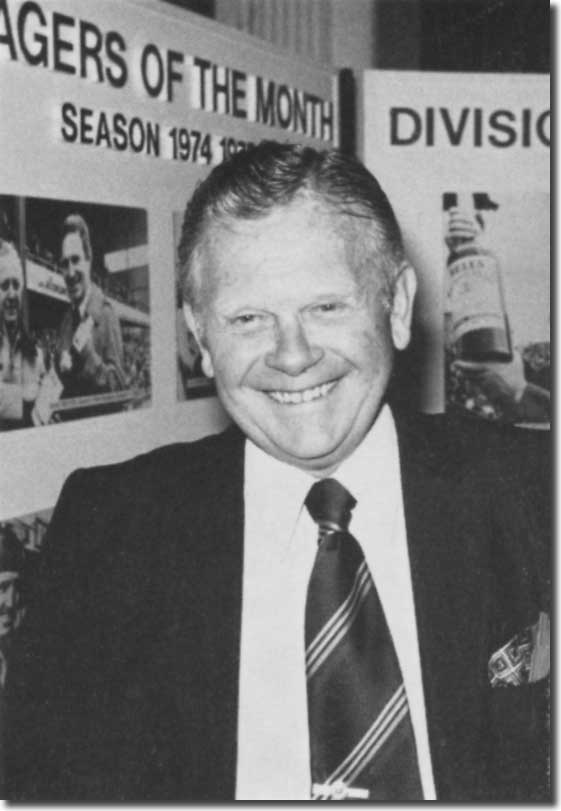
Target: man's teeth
305, 396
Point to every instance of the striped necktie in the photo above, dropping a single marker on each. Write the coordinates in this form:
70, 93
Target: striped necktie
361, 738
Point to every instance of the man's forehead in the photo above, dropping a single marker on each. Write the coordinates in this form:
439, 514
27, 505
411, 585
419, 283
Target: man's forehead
286, 230
8, 577
72, 243
10, 267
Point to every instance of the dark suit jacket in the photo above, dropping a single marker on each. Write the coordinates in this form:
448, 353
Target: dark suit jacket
101, 369
125, 685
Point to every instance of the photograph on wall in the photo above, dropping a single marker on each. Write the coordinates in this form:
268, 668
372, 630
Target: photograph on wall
191, 380
21, 541
74, 310
496, 315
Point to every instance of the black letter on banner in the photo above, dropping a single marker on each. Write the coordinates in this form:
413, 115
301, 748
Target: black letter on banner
91, 50
41, 57
60, 44
395, 140
103, 135
136, 125
119, 77
220, 89
477, 126
152, 139
300, 106
495, 123
526, 123
284, 120
68, 115
203, 65
120, 138
7, 38
429, 124
238, 93
454, 134
155, 90
173, 56
265, 106
544, 138
86, 126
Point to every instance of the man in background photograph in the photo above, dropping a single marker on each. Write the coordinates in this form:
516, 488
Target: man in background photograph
90, 352
22, 366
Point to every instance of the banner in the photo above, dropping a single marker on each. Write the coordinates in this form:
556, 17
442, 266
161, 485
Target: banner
464, 159
111, 114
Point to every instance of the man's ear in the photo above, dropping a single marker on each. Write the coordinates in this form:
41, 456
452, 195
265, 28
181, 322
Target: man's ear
404, 289
194, 326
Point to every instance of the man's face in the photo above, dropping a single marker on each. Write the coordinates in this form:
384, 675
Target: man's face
9, 602
11, 288
75, 267
300, 344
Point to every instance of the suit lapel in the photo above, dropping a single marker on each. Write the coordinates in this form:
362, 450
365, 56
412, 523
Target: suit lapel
224, 533
449, 611
205, 606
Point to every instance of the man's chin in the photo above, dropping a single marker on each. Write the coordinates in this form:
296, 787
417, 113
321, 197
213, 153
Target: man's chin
320, 458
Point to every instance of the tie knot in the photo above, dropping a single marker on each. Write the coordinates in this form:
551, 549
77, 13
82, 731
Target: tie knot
330, 505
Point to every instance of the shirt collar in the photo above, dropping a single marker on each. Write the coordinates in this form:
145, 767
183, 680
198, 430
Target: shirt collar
277, 487
366, 471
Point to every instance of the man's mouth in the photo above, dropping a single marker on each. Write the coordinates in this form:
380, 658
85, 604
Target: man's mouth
303, 396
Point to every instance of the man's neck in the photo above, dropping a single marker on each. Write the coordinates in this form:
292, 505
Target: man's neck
83, 303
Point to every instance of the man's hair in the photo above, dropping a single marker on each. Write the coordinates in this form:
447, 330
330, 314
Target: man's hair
271, 175
12, 553
8, 252
76, 224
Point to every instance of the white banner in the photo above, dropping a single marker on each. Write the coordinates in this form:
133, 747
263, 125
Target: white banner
464, 159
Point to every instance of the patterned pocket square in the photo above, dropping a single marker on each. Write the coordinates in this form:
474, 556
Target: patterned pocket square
524, 659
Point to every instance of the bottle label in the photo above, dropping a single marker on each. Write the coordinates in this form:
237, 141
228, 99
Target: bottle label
474, 295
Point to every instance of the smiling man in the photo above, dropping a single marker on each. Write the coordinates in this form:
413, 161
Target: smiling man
89, 351
21, 360
331, 599
299, 330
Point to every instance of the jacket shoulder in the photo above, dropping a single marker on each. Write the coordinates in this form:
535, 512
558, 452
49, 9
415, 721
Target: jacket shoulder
188, 461
454, 444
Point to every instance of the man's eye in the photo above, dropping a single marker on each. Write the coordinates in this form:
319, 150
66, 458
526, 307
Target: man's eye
329, 307
246, 320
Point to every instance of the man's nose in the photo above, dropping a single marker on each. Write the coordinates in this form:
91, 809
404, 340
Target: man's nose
293, 353
71, 275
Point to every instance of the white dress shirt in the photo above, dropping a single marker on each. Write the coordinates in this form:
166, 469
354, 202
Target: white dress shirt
280, 546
